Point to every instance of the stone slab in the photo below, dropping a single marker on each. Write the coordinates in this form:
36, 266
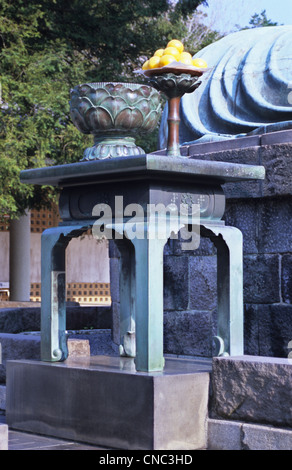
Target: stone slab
228, 144
188, 332
246, 155
277, 137
150, 166
236, 435
20, 319
286, 278
265, 438
224, 435
78, 347
18, 346
80, 342
103, 401
3, 437
252, 389
261, 279
278, 164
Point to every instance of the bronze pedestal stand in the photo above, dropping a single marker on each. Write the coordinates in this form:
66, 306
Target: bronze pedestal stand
174, 82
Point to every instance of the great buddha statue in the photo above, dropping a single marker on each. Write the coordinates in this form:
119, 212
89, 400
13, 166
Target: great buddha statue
246, 90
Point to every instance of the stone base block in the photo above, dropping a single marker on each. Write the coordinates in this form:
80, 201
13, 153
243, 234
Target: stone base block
27, 346
78, 347
3, 437
102, 400
17, 346
234, 435
252, 389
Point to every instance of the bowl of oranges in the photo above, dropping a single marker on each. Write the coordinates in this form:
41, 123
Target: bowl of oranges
173, 59
173, 71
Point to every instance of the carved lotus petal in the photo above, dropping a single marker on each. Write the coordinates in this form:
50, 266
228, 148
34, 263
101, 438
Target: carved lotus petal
99, 118
110, 108
129, 118
84, 89
174, 85
116, 89
74, 99
130, 96
154, 99
186, 83
144, 106
84, 104
114, 105
97, 96
150, 121
113, 88
169, 83
79, 121
146, 91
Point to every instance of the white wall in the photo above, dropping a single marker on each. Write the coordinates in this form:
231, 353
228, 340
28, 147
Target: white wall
86, 259
4, 256
35, 257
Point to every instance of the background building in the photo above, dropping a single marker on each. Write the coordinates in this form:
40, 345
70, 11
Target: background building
86, 258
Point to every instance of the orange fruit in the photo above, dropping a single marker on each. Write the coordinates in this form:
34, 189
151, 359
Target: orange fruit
159, 52
166, 59
153, 62
172, 51
145, 65
185, 55
186, 58
201, 63
177, 44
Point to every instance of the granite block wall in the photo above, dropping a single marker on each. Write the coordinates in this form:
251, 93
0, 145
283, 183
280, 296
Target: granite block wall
263, 212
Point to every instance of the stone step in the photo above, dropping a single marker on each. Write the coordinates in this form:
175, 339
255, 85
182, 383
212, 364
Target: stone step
3, 436
235, 435
222, 435
252, 389
27, 346
103, 401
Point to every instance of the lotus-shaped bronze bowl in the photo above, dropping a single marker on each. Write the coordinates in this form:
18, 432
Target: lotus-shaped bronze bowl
174, 82
174, 85
114, 113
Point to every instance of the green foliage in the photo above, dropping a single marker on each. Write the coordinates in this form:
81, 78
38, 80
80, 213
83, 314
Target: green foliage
49, 46
259, 20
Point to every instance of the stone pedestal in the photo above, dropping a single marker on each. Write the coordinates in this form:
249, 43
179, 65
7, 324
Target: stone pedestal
137, 401
103, 400
3, 437
167, 196
262, 211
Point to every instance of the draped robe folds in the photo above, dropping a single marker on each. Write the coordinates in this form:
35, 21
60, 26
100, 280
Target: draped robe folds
246, 90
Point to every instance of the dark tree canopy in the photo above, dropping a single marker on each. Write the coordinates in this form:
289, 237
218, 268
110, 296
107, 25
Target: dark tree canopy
49, 46
259, 20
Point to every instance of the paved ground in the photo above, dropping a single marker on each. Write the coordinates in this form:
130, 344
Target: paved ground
25, 441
